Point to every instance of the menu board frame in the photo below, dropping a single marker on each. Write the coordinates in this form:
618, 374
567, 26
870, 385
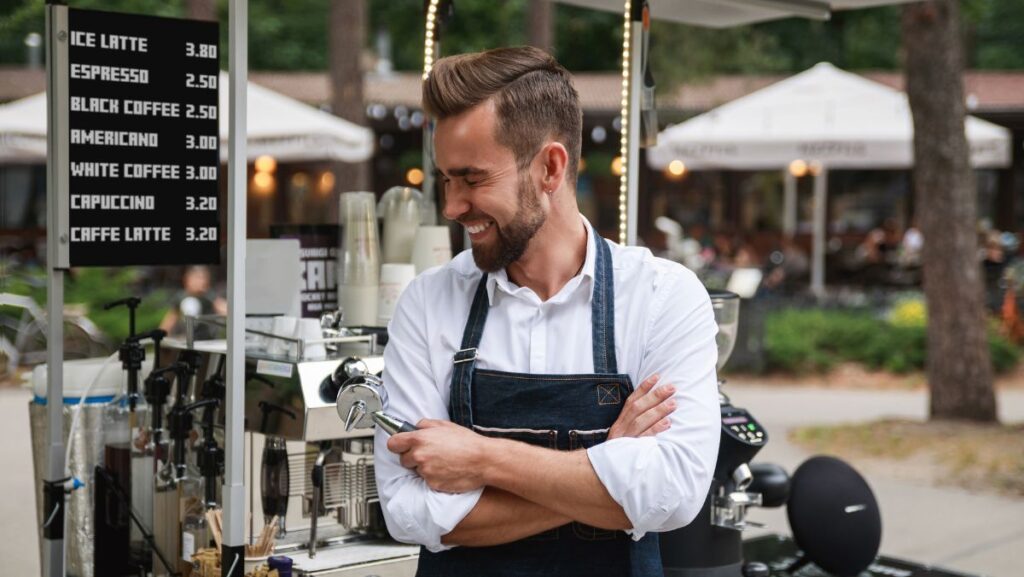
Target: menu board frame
134, 139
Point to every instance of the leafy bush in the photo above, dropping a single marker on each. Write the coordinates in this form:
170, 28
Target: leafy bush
803, 341
91, 288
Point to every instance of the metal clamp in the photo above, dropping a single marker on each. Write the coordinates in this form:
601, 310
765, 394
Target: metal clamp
465, 359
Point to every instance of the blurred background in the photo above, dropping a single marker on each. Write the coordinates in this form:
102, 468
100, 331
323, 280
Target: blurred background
887, 362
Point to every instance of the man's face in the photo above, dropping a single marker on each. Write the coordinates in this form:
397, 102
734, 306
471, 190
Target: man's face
484, 191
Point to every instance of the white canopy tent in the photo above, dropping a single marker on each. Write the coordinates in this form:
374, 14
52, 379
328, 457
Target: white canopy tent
279, 126
729, 13
706, 13
827, 118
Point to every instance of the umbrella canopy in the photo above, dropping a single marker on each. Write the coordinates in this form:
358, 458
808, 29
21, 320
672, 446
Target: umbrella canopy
728, 13
822, 115
277, 126
826, 114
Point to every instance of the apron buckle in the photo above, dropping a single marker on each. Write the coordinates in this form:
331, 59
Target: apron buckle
465, 355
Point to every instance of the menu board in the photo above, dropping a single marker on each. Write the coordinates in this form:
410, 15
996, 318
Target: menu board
144, 150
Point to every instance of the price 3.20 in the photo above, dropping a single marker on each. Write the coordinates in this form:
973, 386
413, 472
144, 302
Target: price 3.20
201, 203
201, 233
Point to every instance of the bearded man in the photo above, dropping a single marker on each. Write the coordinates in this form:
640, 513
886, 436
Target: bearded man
536, 454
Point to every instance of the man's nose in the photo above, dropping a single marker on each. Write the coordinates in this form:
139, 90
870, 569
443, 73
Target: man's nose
455, 203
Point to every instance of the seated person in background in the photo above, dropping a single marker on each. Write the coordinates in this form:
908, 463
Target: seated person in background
196, 298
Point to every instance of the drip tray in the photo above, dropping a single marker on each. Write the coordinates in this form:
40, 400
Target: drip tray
330, 560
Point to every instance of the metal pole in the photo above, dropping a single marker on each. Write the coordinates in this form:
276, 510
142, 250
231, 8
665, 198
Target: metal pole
788, 204
233, 547
820, 228
56, 261
636, 78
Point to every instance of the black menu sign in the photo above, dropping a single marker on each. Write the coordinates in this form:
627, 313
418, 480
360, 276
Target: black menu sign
143, 140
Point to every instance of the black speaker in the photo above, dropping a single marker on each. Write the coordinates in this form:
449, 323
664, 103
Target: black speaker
834, 516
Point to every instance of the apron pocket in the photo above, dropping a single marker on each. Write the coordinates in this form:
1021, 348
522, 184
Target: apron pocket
585, 440
539, 437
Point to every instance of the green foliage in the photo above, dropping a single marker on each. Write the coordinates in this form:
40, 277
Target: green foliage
92, 288
997, 34
803, 341
292, 35
283, 34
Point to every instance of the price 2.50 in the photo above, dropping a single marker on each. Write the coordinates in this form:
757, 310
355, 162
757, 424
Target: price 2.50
208, 81
201, 233
201, 111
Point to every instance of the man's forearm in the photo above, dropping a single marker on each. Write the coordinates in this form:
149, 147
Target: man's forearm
564, 482
501, 517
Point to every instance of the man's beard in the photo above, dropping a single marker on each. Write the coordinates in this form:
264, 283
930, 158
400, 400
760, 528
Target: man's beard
513, 238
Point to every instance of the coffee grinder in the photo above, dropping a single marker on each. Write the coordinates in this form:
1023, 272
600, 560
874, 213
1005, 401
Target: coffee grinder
711, 545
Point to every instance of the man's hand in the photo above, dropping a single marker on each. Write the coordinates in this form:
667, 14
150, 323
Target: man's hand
446, 455
645, 412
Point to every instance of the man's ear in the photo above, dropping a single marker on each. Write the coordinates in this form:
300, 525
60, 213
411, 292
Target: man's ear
554, 160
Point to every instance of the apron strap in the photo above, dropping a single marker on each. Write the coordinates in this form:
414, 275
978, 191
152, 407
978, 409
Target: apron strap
602, 315
602, 312
460, 408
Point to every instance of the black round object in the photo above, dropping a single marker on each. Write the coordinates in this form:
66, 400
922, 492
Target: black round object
772, 482
834, 516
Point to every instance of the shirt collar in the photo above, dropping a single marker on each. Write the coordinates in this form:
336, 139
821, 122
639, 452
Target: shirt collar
501, 281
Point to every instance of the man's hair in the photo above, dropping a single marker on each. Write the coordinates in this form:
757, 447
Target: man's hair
532, 92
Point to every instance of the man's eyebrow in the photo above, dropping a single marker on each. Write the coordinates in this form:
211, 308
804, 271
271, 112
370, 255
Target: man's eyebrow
462, 171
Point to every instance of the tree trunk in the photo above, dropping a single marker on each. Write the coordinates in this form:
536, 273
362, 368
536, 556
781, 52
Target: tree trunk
346, 35
542, 25
959, 364
201, 9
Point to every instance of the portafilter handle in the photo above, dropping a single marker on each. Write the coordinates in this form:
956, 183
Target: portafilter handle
361, 403
359, 397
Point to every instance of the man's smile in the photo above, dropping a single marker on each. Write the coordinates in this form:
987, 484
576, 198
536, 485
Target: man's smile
477, 230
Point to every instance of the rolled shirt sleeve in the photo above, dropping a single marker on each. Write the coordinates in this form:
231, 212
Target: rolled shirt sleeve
661, 482
414, 513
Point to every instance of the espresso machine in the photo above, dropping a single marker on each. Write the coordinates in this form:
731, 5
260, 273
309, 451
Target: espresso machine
711, 545
304, 471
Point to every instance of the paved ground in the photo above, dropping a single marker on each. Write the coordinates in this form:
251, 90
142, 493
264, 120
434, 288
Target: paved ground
949, 527
980, 534
19, 540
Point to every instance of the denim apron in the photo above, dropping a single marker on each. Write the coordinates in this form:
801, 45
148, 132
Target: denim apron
563, 412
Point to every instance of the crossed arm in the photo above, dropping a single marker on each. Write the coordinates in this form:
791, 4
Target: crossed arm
527, 489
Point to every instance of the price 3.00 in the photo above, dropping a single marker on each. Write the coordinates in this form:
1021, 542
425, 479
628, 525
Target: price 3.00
200, 142
200, 172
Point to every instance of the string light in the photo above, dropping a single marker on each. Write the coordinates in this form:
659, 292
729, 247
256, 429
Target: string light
624, 131
428, 38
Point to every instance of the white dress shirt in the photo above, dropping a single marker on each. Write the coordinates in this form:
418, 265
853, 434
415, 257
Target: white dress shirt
664, 324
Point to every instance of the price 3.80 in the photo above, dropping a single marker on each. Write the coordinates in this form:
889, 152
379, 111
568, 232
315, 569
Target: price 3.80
194, 50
